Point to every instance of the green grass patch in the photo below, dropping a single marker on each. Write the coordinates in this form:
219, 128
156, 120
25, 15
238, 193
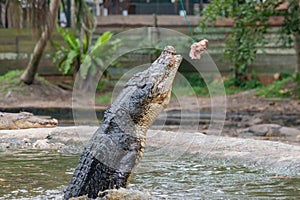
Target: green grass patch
278, 89
214, 87
182, 91
11, 75
11, 81
42, 80
103, 98
234, 85
297, 88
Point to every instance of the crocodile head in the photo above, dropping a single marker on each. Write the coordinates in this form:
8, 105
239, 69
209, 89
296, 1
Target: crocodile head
149, 91
163, 72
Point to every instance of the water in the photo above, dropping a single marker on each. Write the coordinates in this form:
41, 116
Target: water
41, 174
191, 177
34, 173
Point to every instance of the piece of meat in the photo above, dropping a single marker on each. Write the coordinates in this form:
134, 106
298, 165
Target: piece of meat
197, 49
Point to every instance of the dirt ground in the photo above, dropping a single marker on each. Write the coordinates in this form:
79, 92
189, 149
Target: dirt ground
50, 95
38, 94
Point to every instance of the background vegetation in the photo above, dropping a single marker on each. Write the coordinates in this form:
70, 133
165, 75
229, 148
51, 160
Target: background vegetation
250, 24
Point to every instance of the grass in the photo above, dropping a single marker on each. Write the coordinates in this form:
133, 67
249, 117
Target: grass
10, 76
182, 91
233, 85
297, 88
42, 80
278, 89
287, 86
11, 81
214, 87
103, 98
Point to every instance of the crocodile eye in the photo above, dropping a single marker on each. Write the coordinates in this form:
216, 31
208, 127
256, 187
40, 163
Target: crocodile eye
170, 52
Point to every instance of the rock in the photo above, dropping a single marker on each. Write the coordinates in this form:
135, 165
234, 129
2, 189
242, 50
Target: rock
289, 132
259, 130
250, 121
46, 144
41, 144
255, 121
273, 130
297, 122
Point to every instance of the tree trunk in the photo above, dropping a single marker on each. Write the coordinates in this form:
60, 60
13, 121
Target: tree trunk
6, 15
32, 67
73, 20
296, 37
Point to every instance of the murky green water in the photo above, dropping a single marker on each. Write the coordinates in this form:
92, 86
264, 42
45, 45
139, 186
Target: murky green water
28, 174
38, 174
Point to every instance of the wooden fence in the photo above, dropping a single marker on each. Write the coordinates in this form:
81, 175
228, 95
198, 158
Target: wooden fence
16, 46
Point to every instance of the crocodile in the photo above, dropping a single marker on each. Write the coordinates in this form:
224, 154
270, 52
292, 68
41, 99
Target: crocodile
117, 146
24, 120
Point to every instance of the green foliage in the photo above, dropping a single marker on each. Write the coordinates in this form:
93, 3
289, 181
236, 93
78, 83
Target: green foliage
297, 88
291, 21
11, 82
70, 56
197, 83
11, 75
103, 98
78, 56
277, 89
232, 85
99, 54
250, 22
194, 79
